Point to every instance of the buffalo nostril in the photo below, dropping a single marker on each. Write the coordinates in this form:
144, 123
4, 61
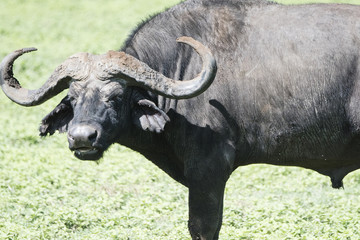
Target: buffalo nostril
82, 136
92, 136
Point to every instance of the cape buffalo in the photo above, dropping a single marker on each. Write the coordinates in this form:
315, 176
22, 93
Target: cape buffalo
278, 84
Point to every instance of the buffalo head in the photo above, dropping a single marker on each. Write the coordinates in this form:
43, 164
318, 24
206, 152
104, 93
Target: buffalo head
98, 107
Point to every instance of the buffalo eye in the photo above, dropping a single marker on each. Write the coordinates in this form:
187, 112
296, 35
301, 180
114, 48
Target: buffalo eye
114, 95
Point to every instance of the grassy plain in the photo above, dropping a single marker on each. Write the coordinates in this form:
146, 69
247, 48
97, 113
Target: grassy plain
45, 193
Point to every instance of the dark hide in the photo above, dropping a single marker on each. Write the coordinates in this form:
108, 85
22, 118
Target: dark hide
287, 92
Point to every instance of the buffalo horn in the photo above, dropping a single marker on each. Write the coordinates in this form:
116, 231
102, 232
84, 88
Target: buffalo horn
57, 82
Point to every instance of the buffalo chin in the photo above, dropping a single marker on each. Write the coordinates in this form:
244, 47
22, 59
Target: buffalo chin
88, 154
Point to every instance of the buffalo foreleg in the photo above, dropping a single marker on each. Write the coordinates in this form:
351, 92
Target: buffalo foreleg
206, 177
205, 209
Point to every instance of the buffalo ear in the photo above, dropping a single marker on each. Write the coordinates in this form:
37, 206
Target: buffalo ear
147, 116
57, 119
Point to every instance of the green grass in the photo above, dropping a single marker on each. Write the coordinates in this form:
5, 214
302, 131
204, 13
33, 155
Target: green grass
46, 193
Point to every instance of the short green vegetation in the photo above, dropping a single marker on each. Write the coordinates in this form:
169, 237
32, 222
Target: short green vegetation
46, 193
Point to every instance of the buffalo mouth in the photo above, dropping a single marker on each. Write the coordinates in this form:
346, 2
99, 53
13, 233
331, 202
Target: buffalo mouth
88, 153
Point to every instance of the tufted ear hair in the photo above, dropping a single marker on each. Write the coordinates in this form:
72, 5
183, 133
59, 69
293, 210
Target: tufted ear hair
147, 116
57, 119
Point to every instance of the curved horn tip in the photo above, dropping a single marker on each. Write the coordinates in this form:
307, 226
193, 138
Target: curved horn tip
198, 46
185, 39
29, 49
15, 54
25, 50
